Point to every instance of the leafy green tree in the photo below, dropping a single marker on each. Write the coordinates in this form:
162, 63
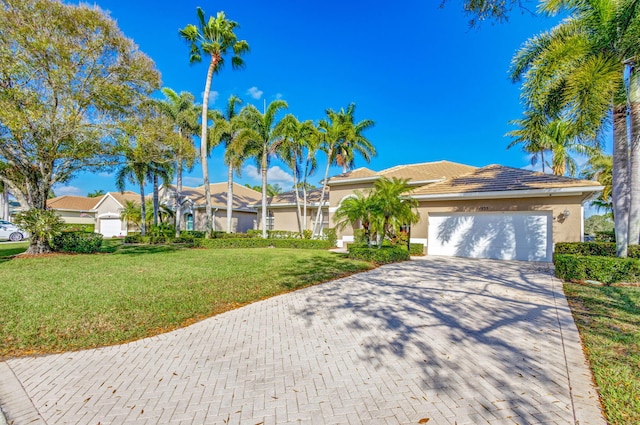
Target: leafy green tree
341, 139
264, 135
96, 193
216, 38
598, 223
67, 77
183, 113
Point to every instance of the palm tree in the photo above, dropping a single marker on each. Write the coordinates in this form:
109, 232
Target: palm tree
215, 38
264, 136
528, 136
600, 168
342, 138
131, 213
577, 71
356, 209
392, 207
183, 112
310, 163
228, 128
136, 170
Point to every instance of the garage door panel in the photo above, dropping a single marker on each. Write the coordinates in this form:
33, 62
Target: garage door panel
110, 227
509, 236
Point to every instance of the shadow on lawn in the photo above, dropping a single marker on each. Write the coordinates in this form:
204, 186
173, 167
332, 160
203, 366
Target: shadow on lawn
452, 319
319, 268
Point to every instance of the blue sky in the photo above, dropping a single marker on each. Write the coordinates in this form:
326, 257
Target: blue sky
436, 89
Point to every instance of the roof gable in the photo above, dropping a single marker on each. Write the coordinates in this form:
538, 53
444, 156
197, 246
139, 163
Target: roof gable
68, 202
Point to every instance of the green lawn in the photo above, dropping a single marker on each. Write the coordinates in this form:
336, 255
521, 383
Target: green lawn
67, 302
608, 318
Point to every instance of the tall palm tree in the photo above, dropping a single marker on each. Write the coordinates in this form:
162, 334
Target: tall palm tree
135, 170
264, 136
577, 70
528, 136
310, 163
217, 39
341, 138
391, 205
183, 112
228, 128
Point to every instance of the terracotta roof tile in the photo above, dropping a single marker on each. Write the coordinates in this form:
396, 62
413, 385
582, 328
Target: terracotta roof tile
358, 173
125, 196
496, 178
67, 202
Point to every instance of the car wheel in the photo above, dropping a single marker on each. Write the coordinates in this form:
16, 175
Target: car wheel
15, 237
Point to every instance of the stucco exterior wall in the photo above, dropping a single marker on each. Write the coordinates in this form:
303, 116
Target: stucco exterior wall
76, 217
109, 208
241, 221
285, 218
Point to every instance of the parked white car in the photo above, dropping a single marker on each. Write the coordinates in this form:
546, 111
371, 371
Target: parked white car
11, 232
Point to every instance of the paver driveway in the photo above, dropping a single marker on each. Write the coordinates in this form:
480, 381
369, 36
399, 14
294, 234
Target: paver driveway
449, 340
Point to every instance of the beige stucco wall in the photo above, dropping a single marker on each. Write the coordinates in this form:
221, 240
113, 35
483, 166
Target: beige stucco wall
76, 217
337, 193
286, 218
241, 221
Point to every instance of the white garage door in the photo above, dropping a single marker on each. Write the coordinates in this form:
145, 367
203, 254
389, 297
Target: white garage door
506, 236
110, 227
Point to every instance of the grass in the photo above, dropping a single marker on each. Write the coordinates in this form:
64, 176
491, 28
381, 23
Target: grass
608, 318
67, 302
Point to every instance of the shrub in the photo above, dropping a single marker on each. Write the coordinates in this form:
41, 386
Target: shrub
609, 236
74, 227
194, 233
254, 233
134, 238
225, 235
161, 230
384, 255
77, 242
416, 249
359, 236
42, 226
331, 236
602, 249
261, 243
578, 268
282, 234
307, 234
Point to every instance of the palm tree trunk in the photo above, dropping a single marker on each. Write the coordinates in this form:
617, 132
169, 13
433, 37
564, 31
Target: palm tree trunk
295, 188
316, 224
143, 209
634, 158
619, 195
156, 201
204, 151
229, 198
179, 198
304, 192
4, 204
263, 170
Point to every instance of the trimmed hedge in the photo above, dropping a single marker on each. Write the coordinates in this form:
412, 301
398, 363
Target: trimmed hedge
606, 236
262, 243
415, 248
77, 242
603, 249
384, 255
578, 268
74, 227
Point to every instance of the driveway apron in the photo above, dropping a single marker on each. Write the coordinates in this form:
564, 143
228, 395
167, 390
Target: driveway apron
437, 340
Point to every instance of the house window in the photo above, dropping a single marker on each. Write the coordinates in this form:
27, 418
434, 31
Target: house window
189, 220
271, 221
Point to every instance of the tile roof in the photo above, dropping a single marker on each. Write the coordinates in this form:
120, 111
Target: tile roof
68, 202
125, 196
496, 178
436, 170
313, 197
243, 197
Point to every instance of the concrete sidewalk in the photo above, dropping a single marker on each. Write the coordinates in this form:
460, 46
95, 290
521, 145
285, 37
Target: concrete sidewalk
451, 340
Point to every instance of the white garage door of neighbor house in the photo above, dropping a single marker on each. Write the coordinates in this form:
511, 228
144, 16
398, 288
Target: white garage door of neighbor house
505, 236
110, 227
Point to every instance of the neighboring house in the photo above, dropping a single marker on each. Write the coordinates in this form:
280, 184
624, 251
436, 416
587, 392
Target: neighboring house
108, 211
282, 210
103, 212
75, 209
489, 212
244, 215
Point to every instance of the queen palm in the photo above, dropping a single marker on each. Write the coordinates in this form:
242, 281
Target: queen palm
183, 113
600, 168
392, 207
264, 136
217, 39
577, 70
135, 170
342, 138
356, 209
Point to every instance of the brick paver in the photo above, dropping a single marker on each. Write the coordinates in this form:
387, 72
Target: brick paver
454, 341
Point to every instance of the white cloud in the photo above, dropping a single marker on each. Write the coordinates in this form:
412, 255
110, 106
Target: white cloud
255, 93
106, 175
213, 96
274, 175
68, 190
278, 96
